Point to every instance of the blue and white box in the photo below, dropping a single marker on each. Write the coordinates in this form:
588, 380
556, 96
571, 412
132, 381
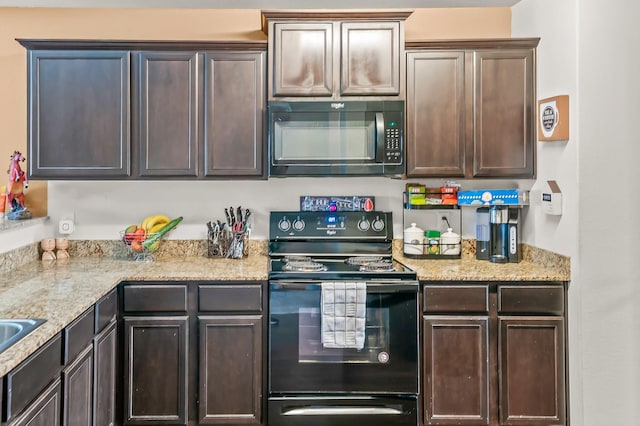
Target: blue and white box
490, 197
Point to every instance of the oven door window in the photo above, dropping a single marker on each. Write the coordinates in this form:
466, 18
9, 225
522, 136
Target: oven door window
298, 362
310, 348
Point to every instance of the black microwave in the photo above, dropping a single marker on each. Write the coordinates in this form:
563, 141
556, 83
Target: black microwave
336, 138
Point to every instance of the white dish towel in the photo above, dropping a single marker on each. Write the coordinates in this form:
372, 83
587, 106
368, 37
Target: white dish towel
344, 314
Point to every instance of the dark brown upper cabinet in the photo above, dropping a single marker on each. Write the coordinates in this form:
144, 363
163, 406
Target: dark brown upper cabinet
234, 114
78, 106
200, 114
329, 55
167, 113
146, 109
471, 109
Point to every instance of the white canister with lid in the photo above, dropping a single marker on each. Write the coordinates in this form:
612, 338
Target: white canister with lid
450, 243
413, 240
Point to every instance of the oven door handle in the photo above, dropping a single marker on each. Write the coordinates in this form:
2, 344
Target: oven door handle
387, 286
342, 411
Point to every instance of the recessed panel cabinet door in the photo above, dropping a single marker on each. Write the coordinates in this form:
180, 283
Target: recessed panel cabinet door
436, 113
532, 371
230, 372
370, 58
167, 113
456, 370
104, 384
234, 126
77, 380
43, 411
155, 370
303, 59
78, 113
504, 113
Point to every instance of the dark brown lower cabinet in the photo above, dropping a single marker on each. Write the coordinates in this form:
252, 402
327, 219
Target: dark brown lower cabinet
456, 363
55, 384
494, 354
155, 370
77, 379
230, 370
104, 385
205, 366
532, 367
45, 410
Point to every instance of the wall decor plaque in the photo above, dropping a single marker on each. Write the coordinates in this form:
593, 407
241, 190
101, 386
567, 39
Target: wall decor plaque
553, 118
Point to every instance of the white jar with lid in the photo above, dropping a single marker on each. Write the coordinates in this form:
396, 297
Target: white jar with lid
450, 243
413, 240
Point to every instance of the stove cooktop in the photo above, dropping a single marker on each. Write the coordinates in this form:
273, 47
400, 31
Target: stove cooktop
358, 267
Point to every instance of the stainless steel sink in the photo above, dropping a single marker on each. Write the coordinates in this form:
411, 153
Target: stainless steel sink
12, 330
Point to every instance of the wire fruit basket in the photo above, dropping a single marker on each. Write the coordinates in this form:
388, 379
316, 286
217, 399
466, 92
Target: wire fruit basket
136, 248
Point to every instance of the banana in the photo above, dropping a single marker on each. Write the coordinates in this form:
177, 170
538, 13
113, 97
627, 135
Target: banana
155, 228
154, 219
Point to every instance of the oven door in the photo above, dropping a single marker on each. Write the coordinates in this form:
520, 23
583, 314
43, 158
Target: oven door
298, 362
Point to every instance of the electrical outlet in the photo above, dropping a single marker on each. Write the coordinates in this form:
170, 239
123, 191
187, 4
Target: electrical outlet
66, 226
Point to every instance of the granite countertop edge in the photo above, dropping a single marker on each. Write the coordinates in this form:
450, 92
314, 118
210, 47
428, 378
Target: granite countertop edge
61, 291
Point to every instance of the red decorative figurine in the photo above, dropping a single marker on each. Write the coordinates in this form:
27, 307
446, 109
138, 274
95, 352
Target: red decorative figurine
15, 189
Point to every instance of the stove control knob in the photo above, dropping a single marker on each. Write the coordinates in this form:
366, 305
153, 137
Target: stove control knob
363, 225
298, 225
284, 225
378, 225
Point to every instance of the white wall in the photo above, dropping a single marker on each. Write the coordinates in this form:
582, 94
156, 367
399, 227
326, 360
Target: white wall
588, 47
102, 209
554, 21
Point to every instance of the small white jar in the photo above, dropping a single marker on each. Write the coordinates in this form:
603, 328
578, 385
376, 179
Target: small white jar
450, 243
413, 240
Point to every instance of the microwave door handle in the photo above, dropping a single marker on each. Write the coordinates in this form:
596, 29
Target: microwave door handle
379, 137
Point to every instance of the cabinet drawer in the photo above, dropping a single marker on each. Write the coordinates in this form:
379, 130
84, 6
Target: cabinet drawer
227, 298
456, 298
78, 335
27, 380
155, 298
531, 299
106, 310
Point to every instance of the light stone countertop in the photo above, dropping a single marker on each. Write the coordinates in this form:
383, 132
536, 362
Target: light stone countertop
470, 269
60, 292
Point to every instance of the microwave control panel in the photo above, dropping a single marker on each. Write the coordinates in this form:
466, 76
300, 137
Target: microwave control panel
392, 139
392, 152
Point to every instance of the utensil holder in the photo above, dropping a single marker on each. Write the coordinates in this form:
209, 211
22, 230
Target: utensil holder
227, 244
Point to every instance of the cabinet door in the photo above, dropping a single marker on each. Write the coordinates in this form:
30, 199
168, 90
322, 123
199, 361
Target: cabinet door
436, 113
77, 379
155, 370
504, 113
370, 58
532, 366
456, 370
230, 371
166, 113
45, 410
78, 114
303, 59
234, 114
104, 386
